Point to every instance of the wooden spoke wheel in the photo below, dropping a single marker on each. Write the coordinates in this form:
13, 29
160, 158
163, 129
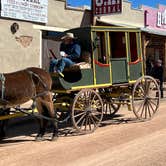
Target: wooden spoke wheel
110, 108
87, 111
145, 98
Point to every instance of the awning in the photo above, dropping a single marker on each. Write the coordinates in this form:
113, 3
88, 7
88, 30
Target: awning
49, 28
147, 30
119, 24
155, 32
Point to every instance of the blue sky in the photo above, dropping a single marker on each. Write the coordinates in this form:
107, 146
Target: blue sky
135, 3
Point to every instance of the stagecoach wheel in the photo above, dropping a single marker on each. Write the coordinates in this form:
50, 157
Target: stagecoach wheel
110, 108
87, 111
145, 98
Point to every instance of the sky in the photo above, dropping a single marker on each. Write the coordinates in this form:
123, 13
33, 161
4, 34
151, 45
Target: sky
135, 3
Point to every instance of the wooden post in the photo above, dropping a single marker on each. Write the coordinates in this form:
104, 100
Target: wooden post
144, 44
164, 59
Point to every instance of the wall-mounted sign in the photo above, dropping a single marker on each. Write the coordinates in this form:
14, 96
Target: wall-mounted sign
161, 18
155, 18
107, 6
30, 10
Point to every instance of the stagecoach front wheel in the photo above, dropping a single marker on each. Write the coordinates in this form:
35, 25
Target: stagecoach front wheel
87, 111
145, 98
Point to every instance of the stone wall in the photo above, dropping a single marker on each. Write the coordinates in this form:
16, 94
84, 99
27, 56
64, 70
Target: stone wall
19, 50
23, 49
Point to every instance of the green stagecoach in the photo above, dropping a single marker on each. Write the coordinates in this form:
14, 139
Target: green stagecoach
110, 73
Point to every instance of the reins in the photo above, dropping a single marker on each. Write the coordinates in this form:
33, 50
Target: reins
39, 116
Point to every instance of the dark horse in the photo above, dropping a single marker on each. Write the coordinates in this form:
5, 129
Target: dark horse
22, 86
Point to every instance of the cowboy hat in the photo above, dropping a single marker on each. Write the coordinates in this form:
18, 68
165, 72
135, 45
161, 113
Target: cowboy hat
68, 35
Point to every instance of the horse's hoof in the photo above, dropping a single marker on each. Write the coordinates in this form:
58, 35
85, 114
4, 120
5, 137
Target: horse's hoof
39, 138
2, 135
54, 138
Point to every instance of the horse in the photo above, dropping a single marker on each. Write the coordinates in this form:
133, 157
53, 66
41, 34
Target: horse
29, 84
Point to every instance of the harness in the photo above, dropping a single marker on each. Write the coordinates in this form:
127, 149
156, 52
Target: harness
36, 95
42, 83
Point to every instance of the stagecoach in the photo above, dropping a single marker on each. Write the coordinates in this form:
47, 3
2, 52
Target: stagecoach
109, 73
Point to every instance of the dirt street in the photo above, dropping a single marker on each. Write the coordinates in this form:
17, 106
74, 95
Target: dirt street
122, 141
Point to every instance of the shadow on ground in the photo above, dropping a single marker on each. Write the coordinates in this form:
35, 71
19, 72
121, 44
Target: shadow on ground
19, 128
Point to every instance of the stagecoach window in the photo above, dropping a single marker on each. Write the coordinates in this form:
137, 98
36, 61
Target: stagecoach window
133, 47
117, 44
101, 47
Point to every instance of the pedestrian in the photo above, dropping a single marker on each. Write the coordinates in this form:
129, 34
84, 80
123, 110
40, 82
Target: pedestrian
70, 52
149, 65
157, 73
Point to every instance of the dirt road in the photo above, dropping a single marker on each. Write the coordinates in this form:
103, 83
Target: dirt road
122, 141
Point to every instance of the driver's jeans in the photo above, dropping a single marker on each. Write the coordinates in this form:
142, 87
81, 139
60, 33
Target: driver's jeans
59, 65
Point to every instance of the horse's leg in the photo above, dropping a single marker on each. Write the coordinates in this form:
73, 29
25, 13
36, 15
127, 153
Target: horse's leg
2, 130
53, 115
42, 122
55, 128
3, 124
48, 108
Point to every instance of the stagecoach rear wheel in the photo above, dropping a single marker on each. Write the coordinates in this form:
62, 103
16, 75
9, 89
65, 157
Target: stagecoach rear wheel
110, 108
145, 98
87, 111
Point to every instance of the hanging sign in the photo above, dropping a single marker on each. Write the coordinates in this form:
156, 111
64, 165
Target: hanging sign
107, 6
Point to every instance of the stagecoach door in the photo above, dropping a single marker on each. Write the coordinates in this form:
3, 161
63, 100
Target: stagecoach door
101, 58
118, 55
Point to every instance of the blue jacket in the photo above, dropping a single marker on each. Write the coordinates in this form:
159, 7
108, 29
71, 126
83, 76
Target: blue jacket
72, 50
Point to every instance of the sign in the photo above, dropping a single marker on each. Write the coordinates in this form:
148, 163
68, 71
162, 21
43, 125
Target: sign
107, 6
161, 18
155, 18
30, 10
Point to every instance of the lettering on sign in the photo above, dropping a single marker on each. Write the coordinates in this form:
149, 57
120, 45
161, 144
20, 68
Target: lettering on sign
161, 18
107, 6
30, 10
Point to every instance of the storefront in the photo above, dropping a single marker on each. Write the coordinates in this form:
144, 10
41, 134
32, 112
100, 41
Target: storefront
118, 15
154, 34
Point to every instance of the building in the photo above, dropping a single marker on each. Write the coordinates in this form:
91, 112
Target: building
23, 25
151, 21
154, 33
128, 16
